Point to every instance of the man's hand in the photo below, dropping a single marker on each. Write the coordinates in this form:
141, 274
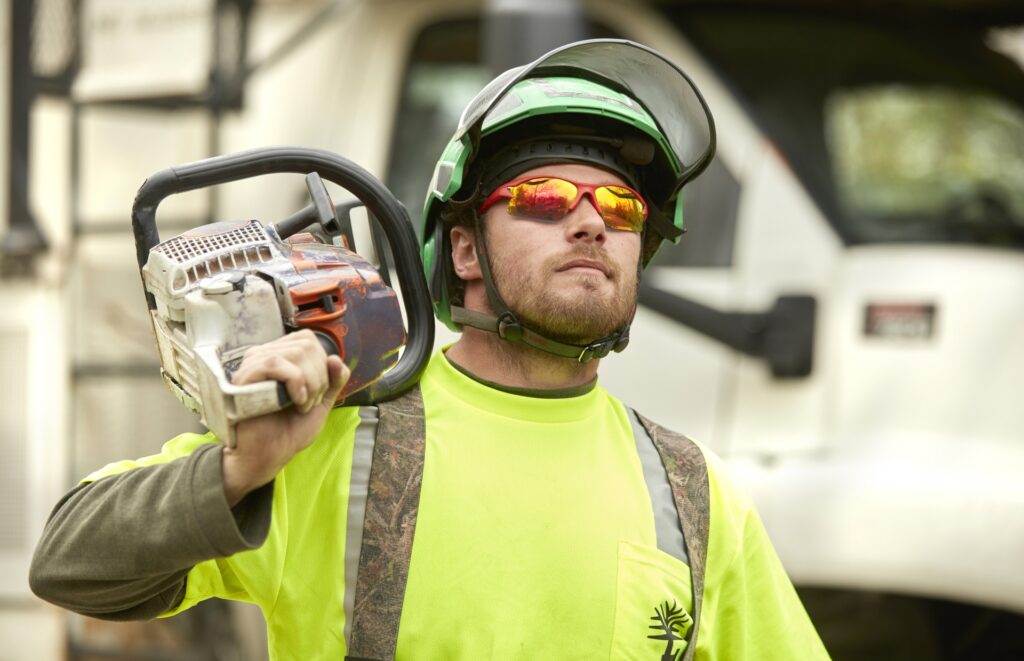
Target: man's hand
265, 444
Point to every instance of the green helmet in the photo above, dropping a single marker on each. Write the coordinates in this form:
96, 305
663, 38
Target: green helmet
611, 103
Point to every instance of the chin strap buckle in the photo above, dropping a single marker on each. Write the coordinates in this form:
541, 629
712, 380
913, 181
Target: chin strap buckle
602, 348
595, 350
509, 328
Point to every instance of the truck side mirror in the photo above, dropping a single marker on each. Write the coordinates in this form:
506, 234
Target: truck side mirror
783, 335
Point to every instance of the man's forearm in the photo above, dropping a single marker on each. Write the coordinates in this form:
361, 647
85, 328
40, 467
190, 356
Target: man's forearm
122, 547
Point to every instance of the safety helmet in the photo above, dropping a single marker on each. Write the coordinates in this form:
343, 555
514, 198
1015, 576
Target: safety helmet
606, 102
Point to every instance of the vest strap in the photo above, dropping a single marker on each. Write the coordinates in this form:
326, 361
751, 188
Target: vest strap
687, 473
392, 503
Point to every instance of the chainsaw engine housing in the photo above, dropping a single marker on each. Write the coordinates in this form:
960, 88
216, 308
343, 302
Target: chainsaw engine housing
222, 288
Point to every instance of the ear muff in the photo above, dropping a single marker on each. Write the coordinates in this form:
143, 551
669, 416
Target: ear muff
437, 253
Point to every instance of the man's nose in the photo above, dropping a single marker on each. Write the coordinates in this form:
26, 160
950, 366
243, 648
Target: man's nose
584, 223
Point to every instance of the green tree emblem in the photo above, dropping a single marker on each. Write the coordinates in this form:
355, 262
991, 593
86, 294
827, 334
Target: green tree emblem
669, 622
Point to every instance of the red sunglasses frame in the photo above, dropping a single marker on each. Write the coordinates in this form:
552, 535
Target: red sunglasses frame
582, 190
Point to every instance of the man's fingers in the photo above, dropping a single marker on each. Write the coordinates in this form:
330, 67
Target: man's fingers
297, 360
278, 368
338, 374
314, 368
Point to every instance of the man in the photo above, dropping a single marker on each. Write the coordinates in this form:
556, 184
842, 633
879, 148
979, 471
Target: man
547, 526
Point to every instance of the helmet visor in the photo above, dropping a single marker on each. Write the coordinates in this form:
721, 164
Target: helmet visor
660, 86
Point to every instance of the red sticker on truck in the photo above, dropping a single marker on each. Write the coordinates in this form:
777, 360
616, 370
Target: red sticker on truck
911, 321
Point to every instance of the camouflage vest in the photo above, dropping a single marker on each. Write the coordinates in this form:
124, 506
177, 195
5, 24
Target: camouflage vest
678, 482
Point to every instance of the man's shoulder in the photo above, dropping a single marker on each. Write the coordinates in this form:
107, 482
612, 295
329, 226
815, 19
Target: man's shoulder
655, 428
663, 435
178, 447
335, 439
720, 476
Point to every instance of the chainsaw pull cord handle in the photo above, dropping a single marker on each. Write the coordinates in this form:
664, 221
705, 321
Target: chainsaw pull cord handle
379, 201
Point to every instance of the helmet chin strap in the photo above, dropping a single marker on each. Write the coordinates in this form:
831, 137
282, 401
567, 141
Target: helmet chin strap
508, 327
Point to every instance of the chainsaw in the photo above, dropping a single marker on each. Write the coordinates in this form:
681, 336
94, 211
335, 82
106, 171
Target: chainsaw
217, 290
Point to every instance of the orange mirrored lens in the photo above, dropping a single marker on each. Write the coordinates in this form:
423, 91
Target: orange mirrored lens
544, 199
620, 208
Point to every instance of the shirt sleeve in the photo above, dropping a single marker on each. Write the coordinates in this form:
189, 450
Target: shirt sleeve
120, 545
750, 609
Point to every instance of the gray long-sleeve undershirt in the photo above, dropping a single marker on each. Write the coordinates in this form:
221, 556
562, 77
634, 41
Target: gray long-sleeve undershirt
121, 548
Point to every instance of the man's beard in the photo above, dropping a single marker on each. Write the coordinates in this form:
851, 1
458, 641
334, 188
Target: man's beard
576, 315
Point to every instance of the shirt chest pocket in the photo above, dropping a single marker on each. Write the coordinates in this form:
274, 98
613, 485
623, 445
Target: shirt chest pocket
653, 604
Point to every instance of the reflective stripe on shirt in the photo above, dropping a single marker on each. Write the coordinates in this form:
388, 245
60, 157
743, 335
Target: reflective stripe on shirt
666, 519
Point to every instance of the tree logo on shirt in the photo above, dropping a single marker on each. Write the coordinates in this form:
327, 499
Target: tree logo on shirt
669, 621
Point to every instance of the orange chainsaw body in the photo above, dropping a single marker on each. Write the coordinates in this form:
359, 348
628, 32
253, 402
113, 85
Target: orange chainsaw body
340, 294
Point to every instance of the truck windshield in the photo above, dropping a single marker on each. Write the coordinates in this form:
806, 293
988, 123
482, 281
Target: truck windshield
927, 164
899, 133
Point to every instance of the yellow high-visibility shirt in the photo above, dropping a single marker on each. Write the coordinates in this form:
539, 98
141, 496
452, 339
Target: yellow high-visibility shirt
535, 539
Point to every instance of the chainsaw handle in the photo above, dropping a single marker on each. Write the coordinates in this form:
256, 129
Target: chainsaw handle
378, 200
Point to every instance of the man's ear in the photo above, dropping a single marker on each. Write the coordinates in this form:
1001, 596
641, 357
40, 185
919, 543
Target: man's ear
464, 256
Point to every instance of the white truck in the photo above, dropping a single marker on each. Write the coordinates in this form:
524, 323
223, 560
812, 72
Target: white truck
850, 288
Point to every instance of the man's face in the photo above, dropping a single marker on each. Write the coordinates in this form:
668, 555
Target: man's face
573, 279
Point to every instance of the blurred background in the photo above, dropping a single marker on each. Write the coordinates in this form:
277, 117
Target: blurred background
843, 321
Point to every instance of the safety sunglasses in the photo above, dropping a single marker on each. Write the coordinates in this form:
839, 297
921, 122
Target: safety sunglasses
552, 198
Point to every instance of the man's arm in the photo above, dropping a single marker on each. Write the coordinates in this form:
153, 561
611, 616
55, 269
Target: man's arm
121, 547
749, 601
